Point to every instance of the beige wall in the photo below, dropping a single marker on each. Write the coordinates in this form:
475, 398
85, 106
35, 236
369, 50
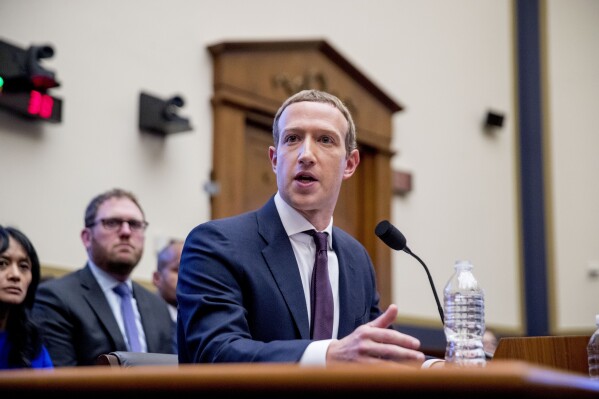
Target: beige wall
446, 61
464, 202
572, 134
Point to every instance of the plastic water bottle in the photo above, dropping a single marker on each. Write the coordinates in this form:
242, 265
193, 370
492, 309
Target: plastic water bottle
593, 352
464, 313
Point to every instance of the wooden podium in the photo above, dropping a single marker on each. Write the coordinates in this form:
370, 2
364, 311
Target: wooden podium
560, 352
499, 379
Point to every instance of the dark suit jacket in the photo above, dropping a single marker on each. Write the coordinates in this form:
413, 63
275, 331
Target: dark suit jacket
78, 323
240, 294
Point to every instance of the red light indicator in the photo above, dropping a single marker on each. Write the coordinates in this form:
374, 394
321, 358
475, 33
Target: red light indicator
46, 108
40, 104
35, 102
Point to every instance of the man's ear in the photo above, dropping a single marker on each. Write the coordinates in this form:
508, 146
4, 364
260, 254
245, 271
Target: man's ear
272, 155
86, 237
351, 163
156, 278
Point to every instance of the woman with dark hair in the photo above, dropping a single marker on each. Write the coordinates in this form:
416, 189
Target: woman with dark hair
20, 340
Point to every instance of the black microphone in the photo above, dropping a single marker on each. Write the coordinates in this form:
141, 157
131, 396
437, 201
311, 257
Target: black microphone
391, 236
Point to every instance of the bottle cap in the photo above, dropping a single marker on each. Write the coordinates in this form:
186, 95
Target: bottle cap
463, 264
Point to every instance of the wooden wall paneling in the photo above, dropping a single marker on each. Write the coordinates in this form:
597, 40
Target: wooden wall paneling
228, 160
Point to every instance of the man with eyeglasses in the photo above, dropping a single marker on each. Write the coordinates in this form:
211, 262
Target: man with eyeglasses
99, 309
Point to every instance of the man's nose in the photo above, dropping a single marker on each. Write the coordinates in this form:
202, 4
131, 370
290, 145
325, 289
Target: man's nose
125, 228
307, 150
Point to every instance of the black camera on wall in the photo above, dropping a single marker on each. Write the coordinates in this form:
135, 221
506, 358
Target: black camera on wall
159, 116
21, 70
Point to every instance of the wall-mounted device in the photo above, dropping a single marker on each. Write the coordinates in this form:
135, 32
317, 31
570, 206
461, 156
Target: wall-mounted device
494, 120
25, 84
159, 116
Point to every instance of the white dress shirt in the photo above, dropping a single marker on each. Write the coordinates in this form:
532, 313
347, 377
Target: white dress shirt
304, 249
107, 283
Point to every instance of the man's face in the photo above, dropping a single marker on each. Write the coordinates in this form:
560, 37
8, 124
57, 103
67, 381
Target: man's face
166, 279
116, 251
310, 160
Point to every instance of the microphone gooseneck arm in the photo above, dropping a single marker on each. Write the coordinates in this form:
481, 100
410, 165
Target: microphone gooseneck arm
430, 279
394, 238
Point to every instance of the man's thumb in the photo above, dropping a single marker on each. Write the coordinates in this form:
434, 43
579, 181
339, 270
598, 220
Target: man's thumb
386, 319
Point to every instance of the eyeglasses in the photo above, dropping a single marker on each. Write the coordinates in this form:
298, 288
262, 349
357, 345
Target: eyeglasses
113, 224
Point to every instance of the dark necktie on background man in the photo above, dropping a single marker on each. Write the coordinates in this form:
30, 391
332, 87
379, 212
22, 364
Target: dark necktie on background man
124, 292
321, 294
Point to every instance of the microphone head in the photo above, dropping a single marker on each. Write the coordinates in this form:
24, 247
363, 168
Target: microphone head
390, 235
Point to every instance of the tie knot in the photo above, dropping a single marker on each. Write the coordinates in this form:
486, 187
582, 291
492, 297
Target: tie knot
320, 239
122, 290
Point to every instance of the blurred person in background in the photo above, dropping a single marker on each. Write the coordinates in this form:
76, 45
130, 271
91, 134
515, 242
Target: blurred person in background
489, 342
99, 309
165, 279
21, 343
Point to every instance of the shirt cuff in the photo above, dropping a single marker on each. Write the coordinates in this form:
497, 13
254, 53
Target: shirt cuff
316, 353
428, 363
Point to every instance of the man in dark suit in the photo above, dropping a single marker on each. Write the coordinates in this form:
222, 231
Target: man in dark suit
80, 313
244, 289
165, 279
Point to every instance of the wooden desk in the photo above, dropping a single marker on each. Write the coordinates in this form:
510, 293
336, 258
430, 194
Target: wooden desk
499, 379
568, 353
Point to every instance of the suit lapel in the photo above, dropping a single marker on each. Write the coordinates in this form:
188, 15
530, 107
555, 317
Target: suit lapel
93, 294
147, 322
280, 259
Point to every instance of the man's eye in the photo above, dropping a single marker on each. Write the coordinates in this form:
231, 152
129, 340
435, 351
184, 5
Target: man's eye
112, 223
134, 224
291, 139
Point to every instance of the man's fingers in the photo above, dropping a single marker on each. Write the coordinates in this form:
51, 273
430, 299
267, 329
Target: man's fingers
390, 336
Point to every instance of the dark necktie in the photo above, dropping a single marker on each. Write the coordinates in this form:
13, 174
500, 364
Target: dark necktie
123, 291
321, 294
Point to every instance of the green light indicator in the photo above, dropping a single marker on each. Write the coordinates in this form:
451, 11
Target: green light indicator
1, 82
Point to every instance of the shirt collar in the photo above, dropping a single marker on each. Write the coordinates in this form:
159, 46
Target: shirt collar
294, 222
106, 281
